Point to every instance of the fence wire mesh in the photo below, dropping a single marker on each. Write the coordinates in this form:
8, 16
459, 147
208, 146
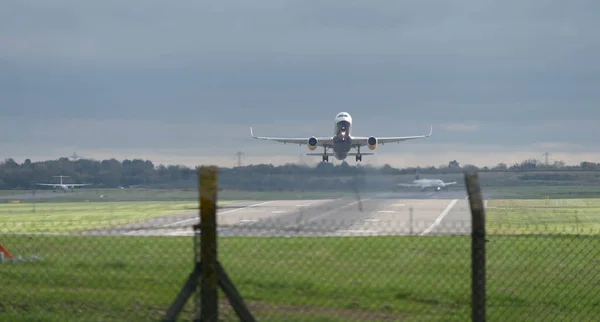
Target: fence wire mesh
340, 260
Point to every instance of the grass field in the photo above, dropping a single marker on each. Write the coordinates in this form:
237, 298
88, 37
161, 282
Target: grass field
312, 279
522, 216
80, 216
529, 277
103, 195
541, 191
114, 195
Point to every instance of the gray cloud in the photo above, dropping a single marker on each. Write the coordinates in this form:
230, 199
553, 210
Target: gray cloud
193, 76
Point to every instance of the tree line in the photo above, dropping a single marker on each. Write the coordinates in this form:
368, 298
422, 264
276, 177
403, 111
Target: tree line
112, 173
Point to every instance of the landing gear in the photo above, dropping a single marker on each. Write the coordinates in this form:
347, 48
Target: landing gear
358, 155
325, 156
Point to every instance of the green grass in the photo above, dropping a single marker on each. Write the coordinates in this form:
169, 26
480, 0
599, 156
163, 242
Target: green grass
103, 195
112, 195
305, 279
80, 216
541, 191
11, 192
580, 216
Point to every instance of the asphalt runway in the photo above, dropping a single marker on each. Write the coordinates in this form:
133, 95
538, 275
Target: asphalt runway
424, 213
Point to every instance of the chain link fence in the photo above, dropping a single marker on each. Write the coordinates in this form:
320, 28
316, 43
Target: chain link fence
340, 260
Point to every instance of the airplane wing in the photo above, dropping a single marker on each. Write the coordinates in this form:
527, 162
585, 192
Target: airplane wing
77, 184
332, 154
321, 141
450, 183
47, 184
363, 140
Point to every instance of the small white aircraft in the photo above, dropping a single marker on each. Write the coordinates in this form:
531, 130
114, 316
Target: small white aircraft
423, 184
64, 186
129, 187
342, 141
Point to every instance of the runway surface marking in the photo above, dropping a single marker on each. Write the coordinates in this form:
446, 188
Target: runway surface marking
325, 214
220, 213
377, 214
438, 220
279, 209
414, 217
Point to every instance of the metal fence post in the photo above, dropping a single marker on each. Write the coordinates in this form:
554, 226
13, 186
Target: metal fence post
208, 274
207, 184
477, 247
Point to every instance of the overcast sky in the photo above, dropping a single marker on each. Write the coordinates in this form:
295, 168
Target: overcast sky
182, 81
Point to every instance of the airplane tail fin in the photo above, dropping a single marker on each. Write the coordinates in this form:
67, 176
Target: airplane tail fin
61, 178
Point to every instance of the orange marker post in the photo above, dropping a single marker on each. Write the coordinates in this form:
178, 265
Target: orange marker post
5, 252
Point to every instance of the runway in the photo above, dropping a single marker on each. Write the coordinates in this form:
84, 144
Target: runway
423, 214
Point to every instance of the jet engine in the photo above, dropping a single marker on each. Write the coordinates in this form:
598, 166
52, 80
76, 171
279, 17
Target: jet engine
372, 143
312, 143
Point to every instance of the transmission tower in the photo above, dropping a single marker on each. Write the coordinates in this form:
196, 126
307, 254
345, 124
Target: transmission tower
546, 156
239, 155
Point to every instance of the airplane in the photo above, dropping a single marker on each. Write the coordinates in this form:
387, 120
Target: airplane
423, 184
130, 186
64, 186
342, 142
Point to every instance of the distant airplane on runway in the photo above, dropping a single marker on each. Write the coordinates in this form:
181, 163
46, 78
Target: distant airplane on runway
64, 186
342, 141
130, 186
423, 184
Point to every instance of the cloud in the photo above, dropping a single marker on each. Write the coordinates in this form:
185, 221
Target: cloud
189, 142
188, 78
458, 127
422, 31
562, 146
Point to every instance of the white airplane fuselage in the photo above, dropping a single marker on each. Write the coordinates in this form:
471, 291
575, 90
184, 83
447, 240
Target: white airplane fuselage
342, 138
430, 183
62, 187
